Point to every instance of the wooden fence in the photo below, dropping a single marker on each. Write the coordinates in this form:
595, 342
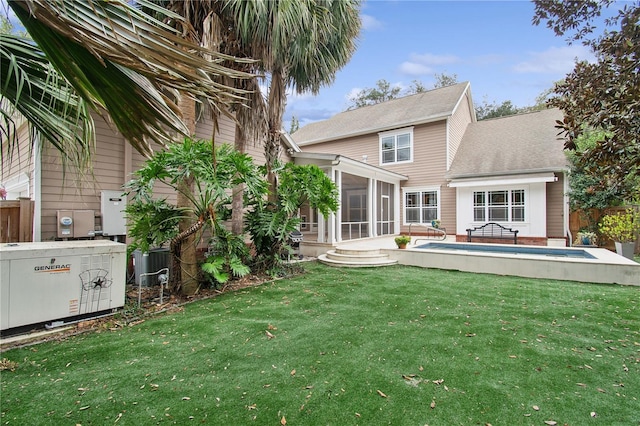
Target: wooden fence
16, 221
583, 219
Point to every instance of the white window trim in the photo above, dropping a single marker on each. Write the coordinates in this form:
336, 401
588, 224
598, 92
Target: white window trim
17, 185
435, 189
527, 201
395, 133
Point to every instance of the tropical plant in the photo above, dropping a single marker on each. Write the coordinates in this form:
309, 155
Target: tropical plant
621, 227
228, 256
117, 59
209, 197
300, 44
213, 25
270, 223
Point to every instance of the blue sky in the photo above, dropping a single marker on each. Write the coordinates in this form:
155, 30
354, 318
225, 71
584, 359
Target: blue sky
491, 44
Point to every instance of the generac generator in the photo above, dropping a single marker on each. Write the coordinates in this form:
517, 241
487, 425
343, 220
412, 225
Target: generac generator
52, 281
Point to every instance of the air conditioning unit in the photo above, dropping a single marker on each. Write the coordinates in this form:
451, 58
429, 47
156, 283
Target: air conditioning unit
150, 262
50, 281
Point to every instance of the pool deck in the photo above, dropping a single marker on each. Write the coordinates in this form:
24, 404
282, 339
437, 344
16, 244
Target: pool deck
607, 267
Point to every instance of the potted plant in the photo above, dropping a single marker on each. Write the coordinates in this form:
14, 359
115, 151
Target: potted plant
402, 241
586, 238
623, 229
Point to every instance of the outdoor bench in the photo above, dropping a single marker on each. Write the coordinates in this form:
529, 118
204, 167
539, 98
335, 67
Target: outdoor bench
493, 230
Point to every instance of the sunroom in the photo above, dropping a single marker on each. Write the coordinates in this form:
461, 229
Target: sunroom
369, 203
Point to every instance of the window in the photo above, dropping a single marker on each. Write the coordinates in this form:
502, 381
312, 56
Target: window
396, 147
420, 206
499, 206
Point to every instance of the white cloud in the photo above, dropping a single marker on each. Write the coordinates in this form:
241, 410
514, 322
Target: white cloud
413, 68
430, 59
555, 60
422, 64
369, 23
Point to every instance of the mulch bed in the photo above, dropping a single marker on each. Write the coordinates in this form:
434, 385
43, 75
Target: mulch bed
131, 314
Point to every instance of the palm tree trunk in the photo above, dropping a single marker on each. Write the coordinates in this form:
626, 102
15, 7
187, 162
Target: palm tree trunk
237, 205
185, 254
273, 145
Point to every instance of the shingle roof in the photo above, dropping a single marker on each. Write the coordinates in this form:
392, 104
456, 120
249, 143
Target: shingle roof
523, 143
410, 110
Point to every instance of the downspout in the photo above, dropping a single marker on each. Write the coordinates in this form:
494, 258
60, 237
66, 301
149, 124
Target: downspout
567, 229
37, 192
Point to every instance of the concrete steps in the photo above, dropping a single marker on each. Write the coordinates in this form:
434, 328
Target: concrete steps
356, 258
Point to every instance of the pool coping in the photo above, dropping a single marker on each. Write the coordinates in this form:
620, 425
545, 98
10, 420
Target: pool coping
606, 268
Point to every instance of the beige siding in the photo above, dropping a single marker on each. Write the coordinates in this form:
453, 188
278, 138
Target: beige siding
19, 162
69, 190
226, 130
555, 207
457, 126
226, 134
427, 169
113, 165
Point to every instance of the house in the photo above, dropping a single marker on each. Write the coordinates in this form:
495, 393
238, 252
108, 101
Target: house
39, 175
425, 157
398, 165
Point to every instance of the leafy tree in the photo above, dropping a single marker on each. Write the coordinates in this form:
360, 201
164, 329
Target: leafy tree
269, 225
371, 96
586, 190
295, 125
604, 95
445, 80
488, 110
384, 91
154, 222
417, 86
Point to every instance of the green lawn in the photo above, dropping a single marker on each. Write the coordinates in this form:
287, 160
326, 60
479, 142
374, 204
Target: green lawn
397, 345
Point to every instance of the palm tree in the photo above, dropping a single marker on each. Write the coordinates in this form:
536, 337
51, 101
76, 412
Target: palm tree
300, 44
213, 24
117, 59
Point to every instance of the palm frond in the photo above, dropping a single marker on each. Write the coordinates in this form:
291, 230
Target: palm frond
32, 88
121, 59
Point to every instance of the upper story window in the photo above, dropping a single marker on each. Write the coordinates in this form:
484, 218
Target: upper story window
396, 146
499, 206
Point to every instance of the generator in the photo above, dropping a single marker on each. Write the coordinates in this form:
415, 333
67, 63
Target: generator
52, 281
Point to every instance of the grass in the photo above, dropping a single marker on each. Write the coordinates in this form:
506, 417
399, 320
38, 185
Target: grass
398, 345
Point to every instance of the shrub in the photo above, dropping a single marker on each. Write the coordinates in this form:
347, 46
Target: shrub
621, 227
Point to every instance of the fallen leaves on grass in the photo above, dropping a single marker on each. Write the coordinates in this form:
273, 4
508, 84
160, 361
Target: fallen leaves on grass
5, 364
283, 421
382, 394
269, 335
